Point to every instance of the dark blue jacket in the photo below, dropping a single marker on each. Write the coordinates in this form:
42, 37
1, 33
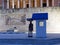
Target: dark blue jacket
30, 27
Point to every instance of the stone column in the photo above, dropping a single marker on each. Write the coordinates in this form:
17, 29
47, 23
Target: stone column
47, 3
2, 4
53, 3
24, 4
7, 4
29, 3
18, 3
35, 3
41, 3
13, 4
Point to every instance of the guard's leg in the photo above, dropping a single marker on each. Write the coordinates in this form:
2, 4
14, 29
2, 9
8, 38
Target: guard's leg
30, 34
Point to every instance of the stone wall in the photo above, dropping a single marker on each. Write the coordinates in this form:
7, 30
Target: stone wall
53, 22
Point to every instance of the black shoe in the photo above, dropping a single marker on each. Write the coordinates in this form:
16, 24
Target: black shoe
30, 36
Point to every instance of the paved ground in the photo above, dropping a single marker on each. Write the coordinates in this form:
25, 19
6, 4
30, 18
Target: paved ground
23, 39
